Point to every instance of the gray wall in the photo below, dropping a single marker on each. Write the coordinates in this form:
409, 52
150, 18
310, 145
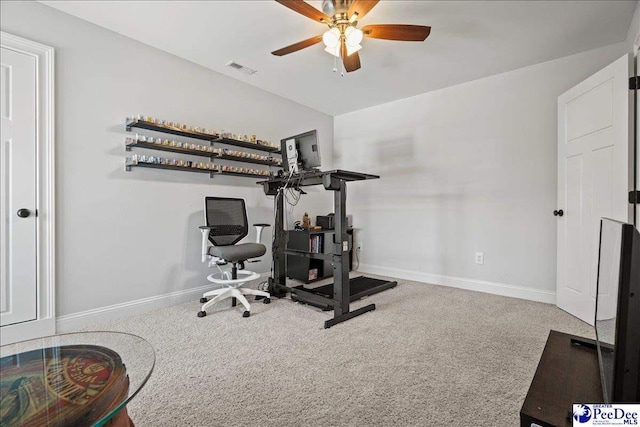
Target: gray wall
470, 168
466, 169
123, 236
633, 35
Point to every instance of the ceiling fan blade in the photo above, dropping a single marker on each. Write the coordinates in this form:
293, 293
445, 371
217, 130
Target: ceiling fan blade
362, 7
351, 62
305, 9
297, 46
401, 32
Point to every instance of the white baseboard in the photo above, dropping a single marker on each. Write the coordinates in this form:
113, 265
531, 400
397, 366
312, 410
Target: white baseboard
503, 289
82, 319
27, 330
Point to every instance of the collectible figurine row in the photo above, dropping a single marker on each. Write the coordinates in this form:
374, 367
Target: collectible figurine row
141, 158
245, 155
203, 148
175, 144
188, 164
235, 169
206, 131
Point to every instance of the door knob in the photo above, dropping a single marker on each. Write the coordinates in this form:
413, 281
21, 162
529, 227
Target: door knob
558, 213
24, 213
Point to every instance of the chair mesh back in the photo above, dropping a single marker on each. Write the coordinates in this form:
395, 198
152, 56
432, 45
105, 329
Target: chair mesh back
229, 217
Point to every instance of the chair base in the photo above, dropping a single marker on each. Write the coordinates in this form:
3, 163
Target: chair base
232, 288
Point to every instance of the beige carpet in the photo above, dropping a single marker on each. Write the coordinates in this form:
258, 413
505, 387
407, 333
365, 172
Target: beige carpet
427, 356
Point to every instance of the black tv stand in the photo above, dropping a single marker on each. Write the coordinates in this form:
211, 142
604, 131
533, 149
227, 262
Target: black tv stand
568, 373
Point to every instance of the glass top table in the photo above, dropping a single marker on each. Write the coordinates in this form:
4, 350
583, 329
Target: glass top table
84, 379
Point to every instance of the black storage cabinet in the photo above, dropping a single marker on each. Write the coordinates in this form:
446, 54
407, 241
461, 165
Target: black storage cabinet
299, 267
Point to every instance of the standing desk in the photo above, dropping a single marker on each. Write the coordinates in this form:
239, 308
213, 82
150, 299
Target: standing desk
336, 181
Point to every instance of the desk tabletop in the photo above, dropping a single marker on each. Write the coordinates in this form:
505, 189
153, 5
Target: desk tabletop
307, 178
81, 378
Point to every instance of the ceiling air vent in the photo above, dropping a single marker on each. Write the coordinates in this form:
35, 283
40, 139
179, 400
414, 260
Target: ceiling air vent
241, 68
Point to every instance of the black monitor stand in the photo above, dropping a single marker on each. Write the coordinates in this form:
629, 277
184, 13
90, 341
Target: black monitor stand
335, 181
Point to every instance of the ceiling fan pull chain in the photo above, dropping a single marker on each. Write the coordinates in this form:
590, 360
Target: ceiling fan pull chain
335, 66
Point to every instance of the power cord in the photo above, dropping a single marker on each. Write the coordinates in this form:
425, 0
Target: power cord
291, 196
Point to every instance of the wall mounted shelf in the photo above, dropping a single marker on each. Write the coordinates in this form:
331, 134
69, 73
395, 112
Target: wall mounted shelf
200, 150
130, 144
247, 160
141, 124
250, 175
130, 164
245, 144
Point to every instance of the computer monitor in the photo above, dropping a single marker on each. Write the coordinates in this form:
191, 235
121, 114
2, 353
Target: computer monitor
301, 152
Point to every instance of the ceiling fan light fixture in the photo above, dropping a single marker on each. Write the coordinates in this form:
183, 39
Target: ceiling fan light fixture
353, 49
335, 51
353, 36
331, 38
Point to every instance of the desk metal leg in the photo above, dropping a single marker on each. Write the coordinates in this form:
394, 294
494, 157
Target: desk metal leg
341, 284
278, 282
341, 295
350, 315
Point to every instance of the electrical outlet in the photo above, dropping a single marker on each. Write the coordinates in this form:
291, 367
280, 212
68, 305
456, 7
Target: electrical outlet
359, 247
479, 257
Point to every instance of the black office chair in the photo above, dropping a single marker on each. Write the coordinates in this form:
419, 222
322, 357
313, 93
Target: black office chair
226, 221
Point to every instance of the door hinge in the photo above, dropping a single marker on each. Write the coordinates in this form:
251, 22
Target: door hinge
634, 197
634, 83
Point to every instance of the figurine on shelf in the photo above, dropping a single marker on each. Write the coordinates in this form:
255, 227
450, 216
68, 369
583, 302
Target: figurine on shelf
306, 221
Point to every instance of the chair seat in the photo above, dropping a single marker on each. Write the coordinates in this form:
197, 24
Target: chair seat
241, 252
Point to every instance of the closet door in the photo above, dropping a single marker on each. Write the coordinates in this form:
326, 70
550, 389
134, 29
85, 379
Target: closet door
595, 128
18, 91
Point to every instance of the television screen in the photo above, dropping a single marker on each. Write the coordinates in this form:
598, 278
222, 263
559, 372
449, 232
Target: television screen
607, 300
301, 152
618, 311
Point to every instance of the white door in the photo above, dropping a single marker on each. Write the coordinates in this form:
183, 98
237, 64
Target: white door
594, 134
18, 288
637, 141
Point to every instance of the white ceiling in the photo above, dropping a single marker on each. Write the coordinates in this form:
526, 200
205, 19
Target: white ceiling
468, 40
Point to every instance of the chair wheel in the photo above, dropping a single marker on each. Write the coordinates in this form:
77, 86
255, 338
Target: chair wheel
246, 314
203, 300
202, 313
266, 301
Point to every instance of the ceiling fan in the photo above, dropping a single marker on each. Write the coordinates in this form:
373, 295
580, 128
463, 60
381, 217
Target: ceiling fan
343, 38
